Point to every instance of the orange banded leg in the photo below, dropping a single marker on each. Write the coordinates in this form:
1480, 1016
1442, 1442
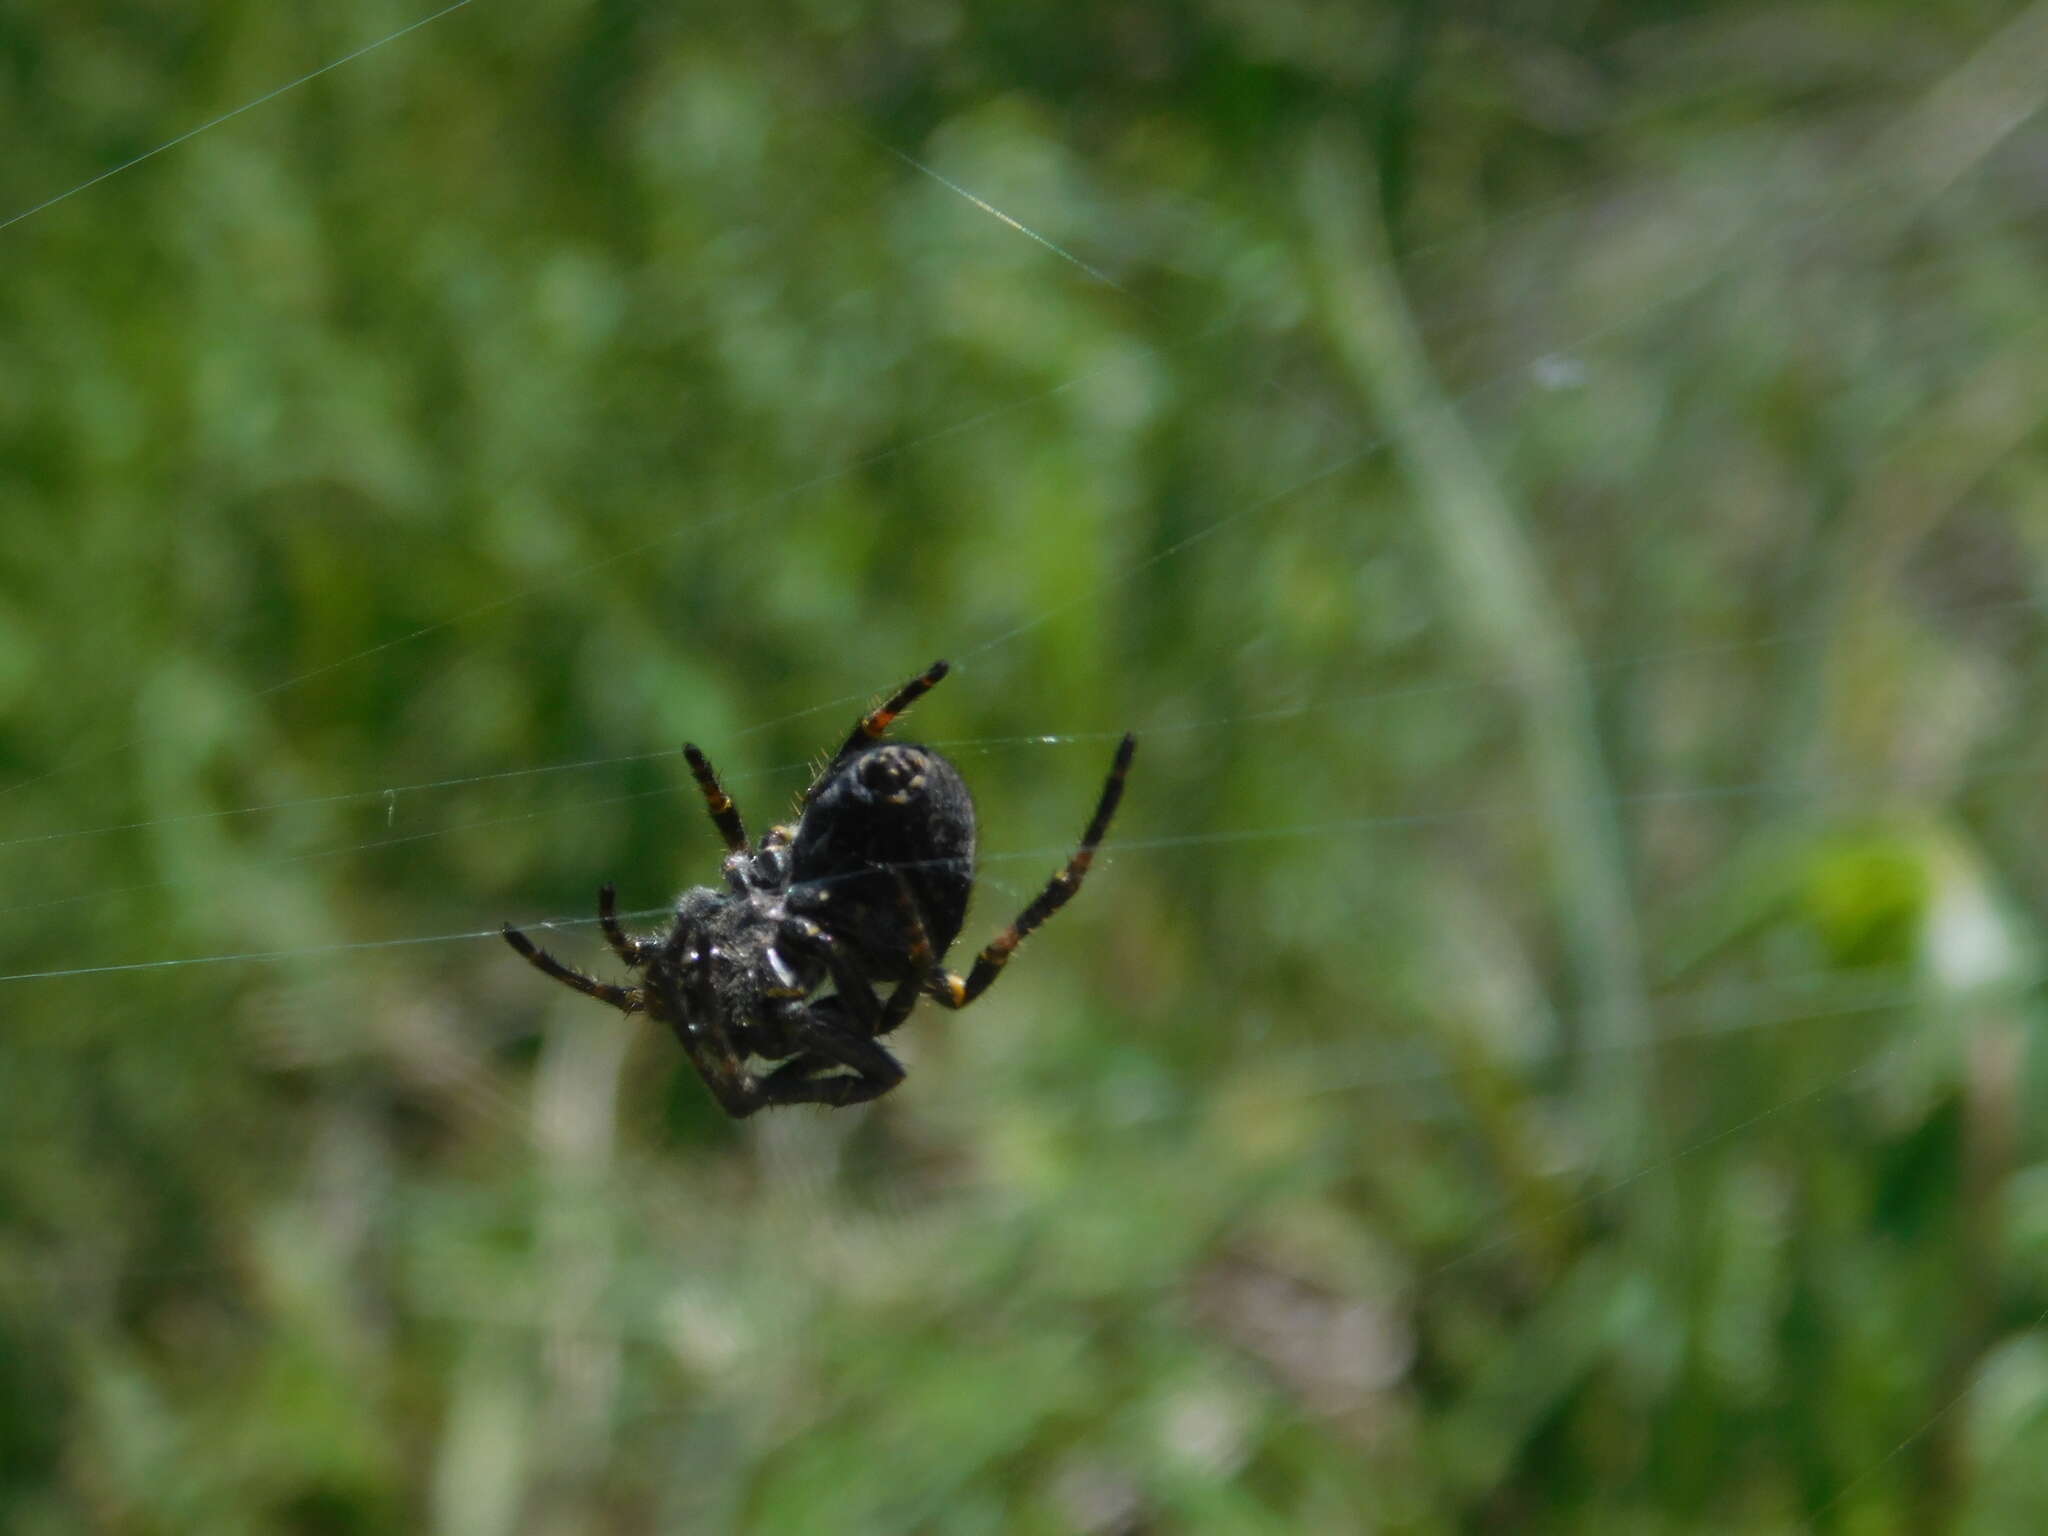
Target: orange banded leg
724, 814
956, 993
629, 949
872, 724
625, 999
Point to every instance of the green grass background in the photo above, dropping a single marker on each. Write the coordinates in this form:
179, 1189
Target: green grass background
1562, 492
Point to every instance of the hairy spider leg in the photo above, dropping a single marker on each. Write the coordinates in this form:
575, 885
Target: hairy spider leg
625, 999
829, 1043
634, 952
872, 724
737, 1090
796, 1082
855, 995
948, 988
724, 814
695, 1021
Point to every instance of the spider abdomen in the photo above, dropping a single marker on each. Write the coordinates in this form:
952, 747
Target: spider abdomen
893, 806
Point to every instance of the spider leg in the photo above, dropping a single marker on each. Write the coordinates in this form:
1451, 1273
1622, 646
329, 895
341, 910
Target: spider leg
625, 999
737, 1090
872, 724
797, 1081
922, 961
852, 1044
629, 949
951, 990
724, 814
704, 1039
852, 992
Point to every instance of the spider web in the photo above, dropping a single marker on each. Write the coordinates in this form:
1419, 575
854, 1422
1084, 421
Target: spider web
1307, 499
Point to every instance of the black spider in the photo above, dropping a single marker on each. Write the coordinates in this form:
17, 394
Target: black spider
868, 890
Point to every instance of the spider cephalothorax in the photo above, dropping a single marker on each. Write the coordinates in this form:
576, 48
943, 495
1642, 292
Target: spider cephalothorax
868, 889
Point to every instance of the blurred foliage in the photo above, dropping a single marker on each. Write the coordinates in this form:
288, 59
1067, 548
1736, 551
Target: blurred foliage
399, 471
